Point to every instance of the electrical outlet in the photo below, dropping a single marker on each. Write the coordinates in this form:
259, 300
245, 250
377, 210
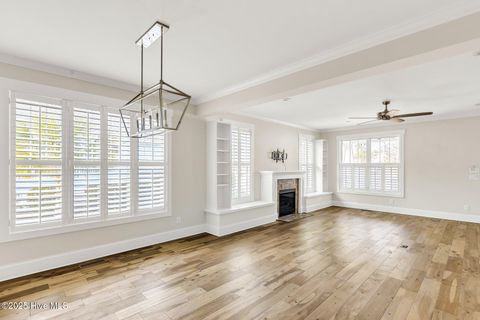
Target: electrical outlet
179, 220
391, 202
466, 207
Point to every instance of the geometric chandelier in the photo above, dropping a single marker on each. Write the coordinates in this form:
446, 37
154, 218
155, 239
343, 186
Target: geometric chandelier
160, 107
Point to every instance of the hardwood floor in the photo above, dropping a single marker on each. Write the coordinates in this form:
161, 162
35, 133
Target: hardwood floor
337, 264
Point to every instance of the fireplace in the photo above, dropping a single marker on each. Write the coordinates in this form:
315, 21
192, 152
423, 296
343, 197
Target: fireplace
286, 202
287, 196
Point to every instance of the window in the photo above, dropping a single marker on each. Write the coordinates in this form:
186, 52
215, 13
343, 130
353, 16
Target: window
242, 168
371, 164
307, 161
75, 163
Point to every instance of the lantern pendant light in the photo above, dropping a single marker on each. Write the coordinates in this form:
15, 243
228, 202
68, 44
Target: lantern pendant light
160, 107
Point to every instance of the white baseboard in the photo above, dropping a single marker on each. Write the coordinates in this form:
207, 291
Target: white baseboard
318, 206
16, 270
456, 216
236, 227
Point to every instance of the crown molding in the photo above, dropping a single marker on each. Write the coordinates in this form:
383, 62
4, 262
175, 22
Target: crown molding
64, 72
454, 11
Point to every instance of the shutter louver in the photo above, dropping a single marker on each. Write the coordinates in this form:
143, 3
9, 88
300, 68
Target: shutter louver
151, 187
118, 190
86, 192
86, 134
376, 178
38, 194
392, 179
346, 178
359, 178
118, 140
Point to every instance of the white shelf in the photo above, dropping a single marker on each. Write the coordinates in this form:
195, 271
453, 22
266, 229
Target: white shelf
218, 165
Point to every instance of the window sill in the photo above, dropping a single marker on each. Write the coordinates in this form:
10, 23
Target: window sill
388, 195
241, 207
316, 194
29, 233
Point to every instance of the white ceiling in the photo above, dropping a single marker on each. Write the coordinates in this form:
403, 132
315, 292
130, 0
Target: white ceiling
212, 44
448, 87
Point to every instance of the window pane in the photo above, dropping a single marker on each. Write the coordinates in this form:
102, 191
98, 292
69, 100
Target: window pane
118, 140
386, 150
86, 191
354, 151
118, 190
38, 131
86, 134
151, 187
38, 194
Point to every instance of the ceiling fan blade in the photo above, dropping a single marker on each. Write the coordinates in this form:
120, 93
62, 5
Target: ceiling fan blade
396, 120
367, 122
393, 112
418, 114
358, 118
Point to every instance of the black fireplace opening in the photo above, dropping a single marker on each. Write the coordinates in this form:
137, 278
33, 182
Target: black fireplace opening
286, 202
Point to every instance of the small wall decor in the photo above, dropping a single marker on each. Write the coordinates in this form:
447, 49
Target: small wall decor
278, 156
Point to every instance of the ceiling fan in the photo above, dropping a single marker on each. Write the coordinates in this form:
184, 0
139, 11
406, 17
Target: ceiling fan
390, 115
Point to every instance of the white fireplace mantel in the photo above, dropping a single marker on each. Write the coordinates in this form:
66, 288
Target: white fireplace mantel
269, 182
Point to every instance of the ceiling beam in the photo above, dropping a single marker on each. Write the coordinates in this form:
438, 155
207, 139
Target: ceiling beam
445, 40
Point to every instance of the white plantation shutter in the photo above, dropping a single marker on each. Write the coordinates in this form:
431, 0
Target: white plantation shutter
74, 162
119, 171
371, 165
307, 161
152, 173
86, 168
38, 165
241, 146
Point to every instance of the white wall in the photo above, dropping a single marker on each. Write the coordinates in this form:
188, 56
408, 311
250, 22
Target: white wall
438, 155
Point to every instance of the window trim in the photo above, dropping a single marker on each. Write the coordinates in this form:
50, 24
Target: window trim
372, 135
67, 224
